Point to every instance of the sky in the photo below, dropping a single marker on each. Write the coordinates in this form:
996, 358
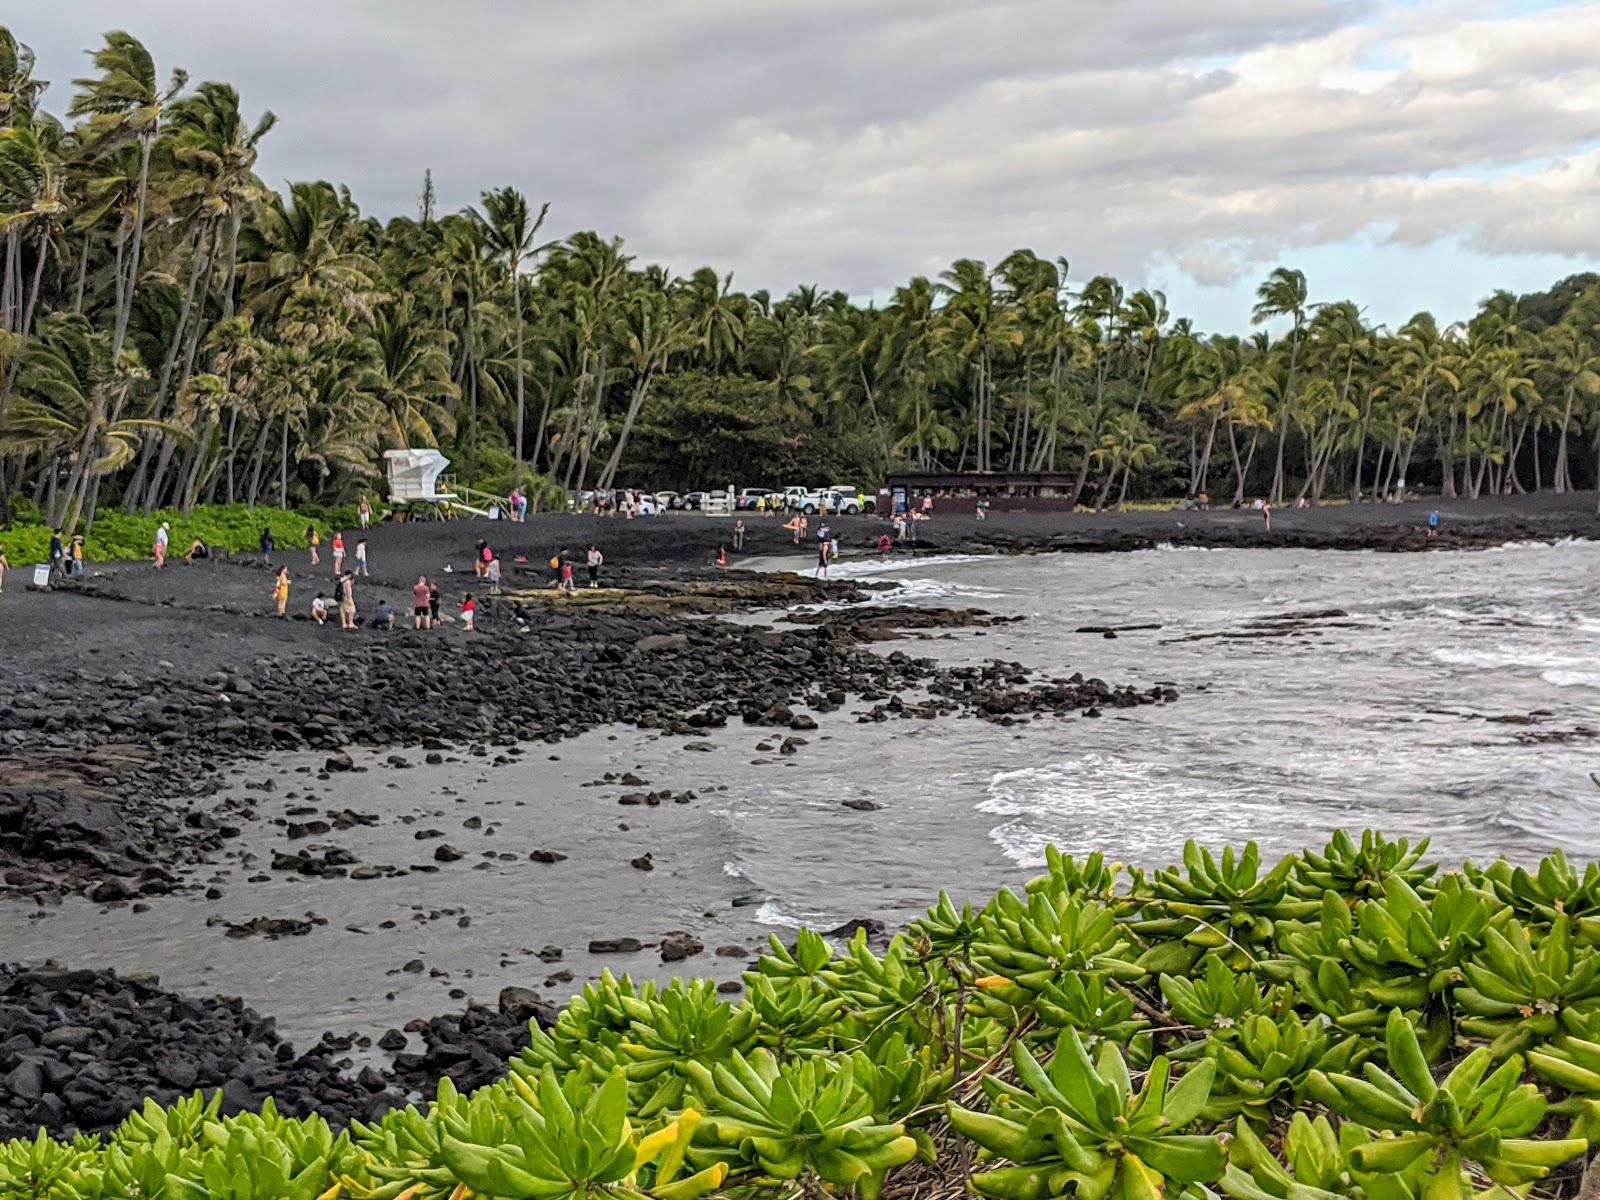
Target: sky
1406, 154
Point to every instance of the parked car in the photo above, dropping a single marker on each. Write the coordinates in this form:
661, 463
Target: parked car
669, 500
692, 500
747, 497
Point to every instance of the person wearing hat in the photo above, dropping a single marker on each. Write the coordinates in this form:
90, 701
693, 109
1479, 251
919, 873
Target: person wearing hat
159, 550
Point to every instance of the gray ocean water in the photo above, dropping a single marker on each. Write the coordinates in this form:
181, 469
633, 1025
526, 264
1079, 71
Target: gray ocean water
1458, 696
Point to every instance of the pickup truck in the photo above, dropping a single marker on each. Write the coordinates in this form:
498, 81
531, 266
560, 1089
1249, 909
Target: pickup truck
807, 500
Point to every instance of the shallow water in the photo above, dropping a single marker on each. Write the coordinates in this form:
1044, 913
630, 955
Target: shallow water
1459, 697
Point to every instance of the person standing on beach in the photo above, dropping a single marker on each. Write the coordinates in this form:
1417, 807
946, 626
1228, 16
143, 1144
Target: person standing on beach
57, 554
1266, 515
347, 602
433, 604
822, 560
568, 585
267, 545
469, 613
595, 559
493, 574
420, 610
722, 556
75, 554
338, 553
3, 565
280, 591
833, 548
159, 550
361, 556
738, 534
364, 511
313, 540
1433, 523
805, 528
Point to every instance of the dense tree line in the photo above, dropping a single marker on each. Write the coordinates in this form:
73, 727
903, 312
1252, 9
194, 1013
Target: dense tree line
172, 331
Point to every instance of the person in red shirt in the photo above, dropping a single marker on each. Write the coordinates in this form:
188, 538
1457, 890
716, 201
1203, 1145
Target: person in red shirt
469, 613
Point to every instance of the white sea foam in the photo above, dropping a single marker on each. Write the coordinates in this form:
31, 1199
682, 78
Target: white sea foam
1571, 678
1503, 657
857, 568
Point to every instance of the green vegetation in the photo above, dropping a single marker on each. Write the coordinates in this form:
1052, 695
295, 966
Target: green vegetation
174, 332
1350, 1023
117, 535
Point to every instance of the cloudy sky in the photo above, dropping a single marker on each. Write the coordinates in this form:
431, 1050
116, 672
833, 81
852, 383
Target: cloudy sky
1404, 154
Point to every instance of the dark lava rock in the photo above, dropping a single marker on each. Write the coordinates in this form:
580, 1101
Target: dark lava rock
677, 946
615, 945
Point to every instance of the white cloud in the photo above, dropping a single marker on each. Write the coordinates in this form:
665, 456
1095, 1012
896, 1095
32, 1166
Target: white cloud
855, 142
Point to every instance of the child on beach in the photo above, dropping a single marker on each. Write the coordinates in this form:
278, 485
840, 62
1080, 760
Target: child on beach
494, 576
338, 553
567, 584
361, 556
722, 556
159, 550
469, 613
280, 590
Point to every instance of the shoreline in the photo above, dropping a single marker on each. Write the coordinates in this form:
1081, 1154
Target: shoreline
186, 662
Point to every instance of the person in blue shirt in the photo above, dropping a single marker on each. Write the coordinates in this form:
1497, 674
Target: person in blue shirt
1433, 523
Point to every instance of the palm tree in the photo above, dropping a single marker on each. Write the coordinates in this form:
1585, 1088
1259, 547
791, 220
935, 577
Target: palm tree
1283, 294
124, 103
411, 377
1572, 362
509, 232
652, 333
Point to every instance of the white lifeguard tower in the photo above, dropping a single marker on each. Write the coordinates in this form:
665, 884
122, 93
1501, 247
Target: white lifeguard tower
416, 476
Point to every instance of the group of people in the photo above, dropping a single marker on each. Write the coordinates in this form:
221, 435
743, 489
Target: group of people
314, 545
561, 563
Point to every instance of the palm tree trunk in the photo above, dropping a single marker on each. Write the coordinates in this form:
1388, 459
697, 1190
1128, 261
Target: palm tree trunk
1563, 479
283, 464
640, 388
83, 273
516, 293
1283, 423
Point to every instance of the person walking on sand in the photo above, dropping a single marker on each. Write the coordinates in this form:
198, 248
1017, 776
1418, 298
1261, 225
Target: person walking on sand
338, 552
267, 545
595, 559
822, 560
805, 527
280, 590
420, 611
469, 613
738, 534
567, 583
347, 602
361, 556
159, 550
493, 574
364, 511
75, 555
313, 541
1433, 524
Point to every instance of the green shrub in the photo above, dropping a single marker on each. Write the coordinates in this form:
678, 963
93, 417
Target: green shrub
1247, 1073
116, 535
